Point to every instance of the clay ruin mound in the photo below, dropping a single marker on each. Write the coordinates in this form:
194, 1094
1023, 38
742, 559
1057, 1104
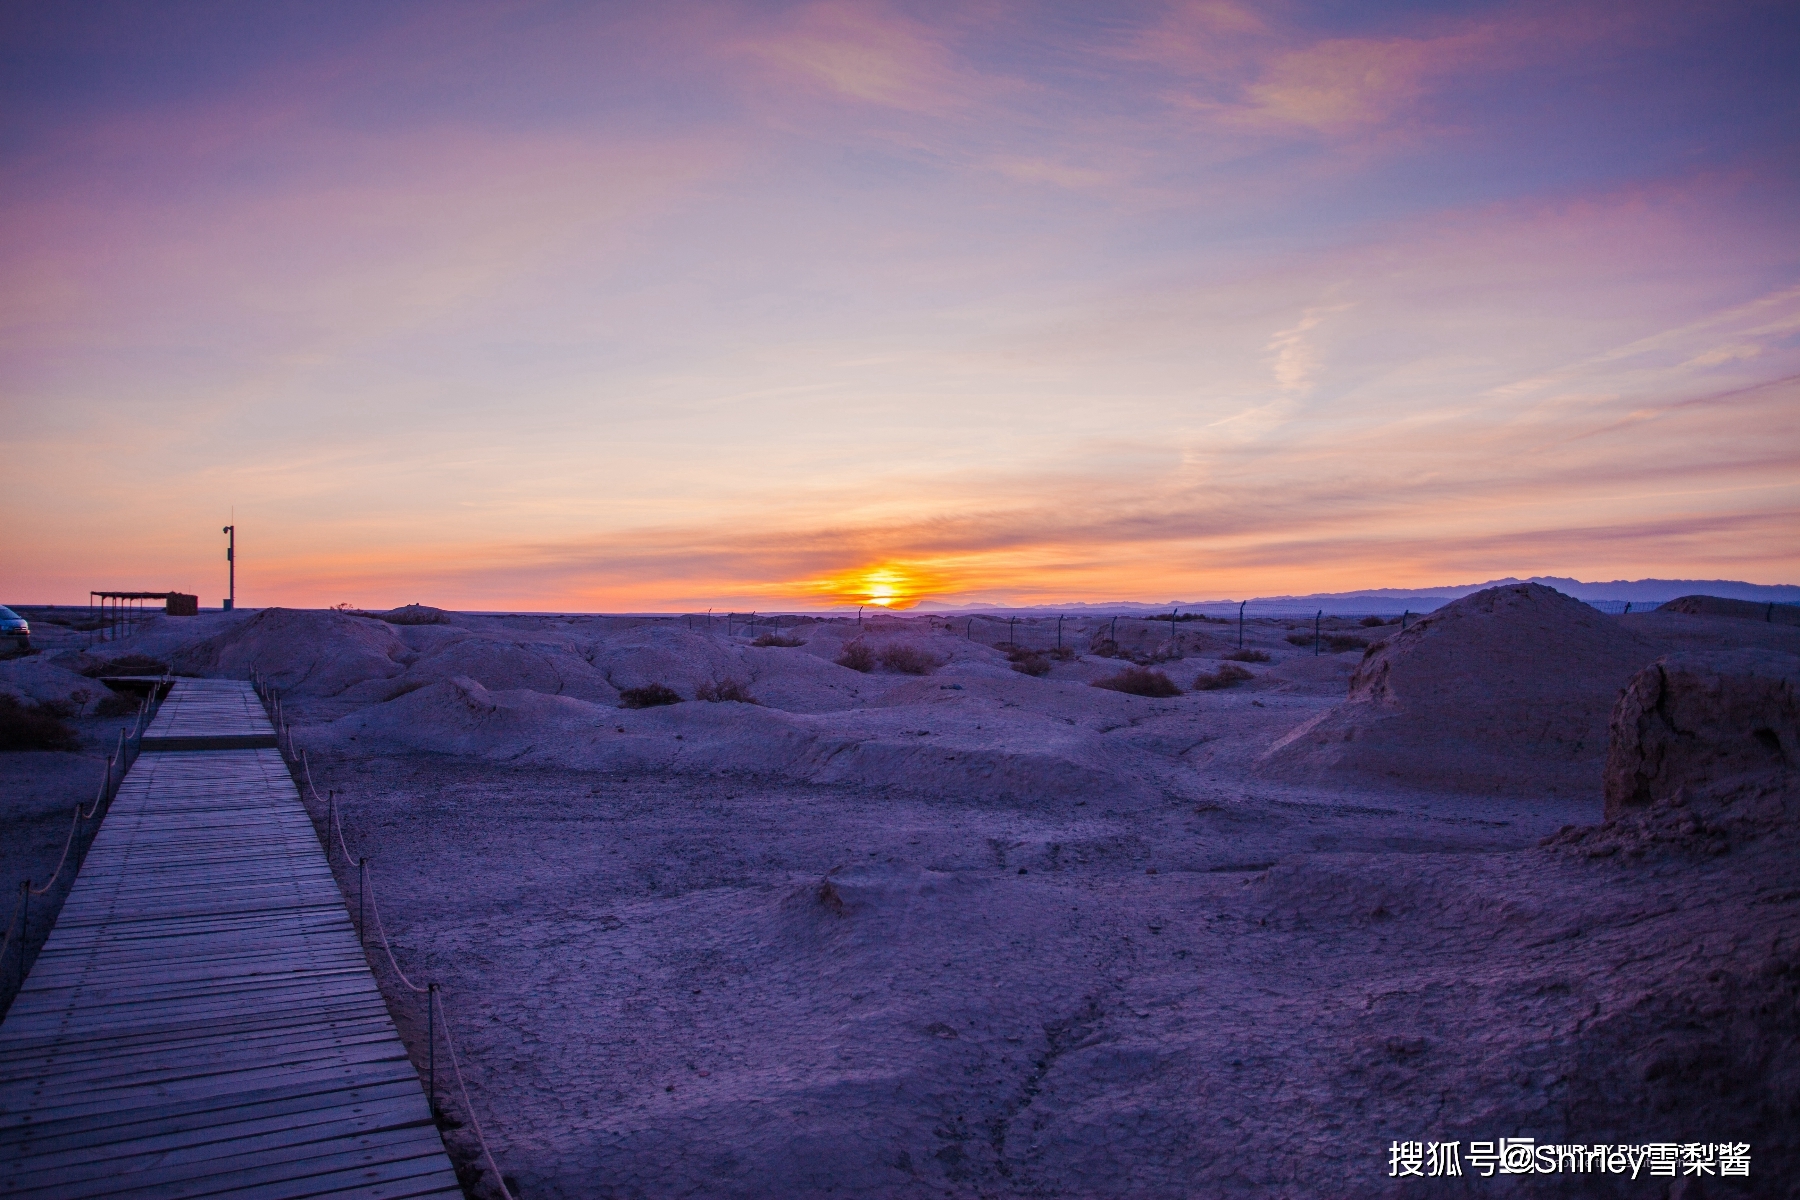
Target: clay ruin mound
413, 614
1748, 610
305, 651
1718, 734
1506, 691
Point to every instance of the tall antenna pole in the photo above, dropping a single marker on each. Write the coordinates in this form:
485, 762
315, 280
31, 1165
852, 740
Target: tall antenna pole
231, 559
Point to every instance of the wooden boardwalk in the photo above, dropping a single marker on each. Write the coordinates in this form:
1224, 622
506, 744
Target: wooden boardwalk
202, 1021
210, 714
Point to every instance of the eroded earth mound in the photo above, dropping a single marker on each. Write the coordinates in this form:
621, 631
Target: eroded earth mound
1718, 733
1506, 691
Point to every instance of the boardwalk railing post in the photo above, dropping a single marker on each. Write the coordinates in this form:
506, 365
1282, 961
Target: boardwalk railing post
24, 927
431, 1054
362, 887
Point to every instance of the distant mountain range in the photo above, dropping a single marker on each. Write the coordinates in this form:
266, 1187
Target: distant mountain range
1389, 601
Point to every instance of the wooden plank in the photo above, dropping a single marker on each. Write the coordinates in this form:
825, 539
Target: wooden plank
234, 1136
192, 1122
202, 1020
289, 1154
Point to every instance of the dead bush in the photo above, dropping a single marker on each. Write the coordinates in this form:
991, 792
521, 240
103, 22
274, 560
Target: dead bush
775, 639
910, 660
1103, 647
651, 695
724, 690
1247, 656
858, 657
1029, 662
34, 727
1371, 622
1337, 643
1229, 674
129, 664
118, 704
1140, 681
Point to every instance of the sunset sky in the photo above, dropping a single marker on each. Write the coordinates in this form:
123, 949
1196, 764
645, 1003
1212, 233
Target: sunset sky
607, 307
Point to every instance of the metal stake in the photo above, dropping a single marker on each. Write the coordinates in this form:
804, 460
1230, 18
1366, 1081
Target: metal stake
431, 1041
24, 927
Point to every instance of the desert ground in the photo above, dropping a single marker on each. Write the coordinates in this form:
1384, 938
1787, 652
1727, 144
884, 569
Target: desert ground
962, 924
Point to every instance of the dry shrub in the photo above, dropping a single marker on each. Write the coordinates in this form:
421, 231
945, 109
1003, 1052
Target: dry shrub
1062, 653
651, 695
1337, 643
1140, 681
1103, 647
1029, 662
1247, 656
34, 727
723, 690
1228, 675
129, 664
118, 704
775, 639
910, 660
1371, 622
858, 657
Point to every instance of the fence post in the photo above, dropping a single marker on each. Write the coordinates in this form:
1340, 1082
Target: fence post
1316, 621
1059, 621
431, 1053
24, 927
1241, 624
1405, 614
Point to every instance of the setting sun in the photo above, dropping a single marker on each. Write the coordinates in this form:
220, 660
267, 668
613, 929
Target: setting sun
887, 586
884, 588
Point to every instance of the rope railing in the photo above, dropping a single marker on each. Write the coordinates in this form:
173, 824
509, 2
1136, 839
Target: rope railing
436, 1015
117, 764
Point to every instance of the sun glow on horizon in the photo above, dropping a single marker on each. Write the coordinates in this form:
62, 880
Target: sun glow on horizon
885, 586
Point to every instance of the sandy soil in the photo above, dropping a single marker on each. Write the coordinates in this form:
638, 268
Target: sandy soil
976, 933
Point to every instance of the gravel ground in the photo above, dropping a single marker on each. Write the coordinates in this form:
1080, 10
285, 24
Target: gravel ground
681, 987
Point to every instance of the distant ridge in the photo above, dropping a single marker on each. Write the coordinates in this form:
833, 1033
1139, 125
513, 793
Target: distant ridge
1388, 601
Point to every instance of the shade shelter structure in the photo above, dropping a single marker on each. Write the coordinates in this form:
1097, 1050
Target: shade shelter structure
119, 612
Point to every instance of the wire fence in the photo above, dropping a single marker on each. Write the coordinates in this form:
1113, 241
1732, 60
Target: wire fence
81, 822
437, 1017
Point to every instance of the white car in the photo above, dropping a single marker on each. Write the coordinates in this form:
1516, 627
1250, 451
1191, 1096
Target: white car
12, 624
